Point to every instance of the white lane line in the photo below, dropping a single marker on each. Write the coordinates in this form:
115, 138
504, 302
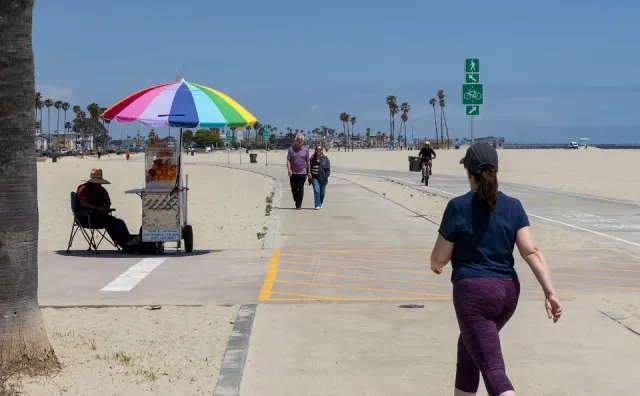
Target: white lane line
548, 190
529, 213
134, 275
585, 229
571, 194
560, 222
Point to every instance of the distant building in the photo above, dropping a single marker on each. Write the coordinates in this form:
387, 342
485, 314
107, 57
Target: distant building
437, 143
67, 141
496, 142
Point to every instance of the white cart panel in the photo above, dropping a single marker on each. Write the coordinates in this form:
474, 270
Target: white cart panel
160, 217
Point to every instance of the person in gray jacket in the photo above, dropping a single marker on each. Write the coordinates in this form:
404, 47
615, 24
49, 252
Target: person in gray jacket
320, 171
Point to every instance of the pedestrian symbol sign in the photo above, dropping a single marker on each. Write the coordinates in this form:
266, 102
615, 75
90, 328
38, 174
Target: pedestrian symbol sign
472, 94
472, 110
472, 78
265, 132
472, 65
228, 136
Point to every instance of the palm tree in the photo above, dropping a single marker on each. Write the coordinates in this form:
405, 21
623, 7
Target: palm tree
405, 108
442, 103
94, 111
353, 123
65, 107
344, 118
38, 103
392, 102
25, 345
432, 102
48, 103
57, 105
67, 126
39, 106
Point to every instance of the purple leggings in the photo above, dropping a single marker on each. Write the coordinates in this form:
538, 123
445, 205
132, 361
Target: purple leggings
483, 306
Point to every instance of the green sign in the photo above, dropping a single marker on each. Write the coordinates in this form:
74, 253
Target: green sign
265, 132
228, 136
472, 110
472, 65
472, 78
472, 94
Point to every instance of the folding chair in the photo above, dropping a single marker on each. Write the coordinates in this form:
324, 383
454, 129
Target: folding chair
90, 233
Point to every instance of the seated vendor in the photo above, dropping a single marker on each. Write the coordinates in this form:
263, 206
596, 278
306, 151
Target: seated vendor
94, 199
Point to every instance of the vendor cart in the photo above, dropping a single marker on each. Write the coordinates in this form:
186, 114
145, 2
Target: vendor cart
178, 104
164, 195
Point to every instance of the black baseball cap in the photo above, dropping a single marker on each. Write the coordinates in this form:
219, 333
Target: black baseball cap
480, 156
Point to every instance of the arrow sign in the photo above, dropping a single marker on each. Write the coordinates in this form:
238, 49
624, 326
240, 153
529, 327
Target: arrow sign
473, 110
472, 78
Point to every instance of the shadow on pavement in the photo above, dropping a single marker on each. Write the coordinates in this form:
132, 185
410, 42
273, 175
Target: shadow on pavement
120, 254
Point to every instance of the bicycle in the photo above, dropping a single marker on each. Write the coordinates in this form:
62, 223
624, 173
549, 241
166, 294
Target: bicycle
472, 94
426, 162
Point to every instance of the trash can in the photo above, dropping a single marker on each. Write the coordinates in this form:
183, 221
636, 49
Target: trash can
414, 164
457, 147
253, 158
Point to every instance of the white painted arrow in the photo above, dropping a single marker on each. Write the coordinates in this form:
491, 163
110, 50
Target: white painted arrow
473, 109
472, 78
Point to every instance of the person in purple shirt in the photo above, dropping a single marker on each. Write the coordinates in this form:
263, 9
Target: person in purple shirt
298, 168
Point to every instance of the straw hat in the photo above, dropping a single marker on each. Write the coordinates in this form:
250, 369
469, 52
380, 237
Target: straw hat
96, 177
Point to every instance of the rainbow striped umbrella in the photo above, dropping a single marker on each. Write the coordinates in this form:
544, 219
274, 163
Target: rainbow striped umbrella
180, 104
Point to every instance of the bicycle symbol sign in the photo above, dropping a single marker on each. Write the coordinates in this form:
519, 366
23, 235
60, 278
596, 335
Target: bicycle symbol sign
472, 94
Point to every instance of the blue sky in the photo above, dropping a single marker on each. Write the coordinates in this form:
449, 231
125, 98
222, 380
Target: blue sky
553, 71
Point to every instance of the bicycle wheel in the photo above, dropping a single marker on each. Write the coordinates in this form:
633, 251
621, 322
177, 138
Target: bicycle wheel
467, 96
478, 96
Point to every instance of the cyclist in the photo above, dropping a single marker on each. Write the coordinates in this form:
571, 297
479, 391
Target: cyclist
426, 155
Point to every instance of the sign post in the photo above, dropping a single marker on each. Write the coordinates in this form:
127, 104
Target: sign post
239, 139
228, 146
472, 91
265, 137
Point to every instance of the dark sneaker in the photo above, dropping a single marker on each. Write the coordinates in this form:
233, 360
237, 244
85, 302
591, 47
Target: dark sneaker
422, 181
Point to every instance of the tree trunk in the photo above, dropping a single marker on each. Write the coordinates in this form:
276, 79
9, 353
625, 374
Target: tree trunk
393, 133
435, 123
49, 125
58, 125
24, 344
390, 127
441, 128
405, 135
446, 128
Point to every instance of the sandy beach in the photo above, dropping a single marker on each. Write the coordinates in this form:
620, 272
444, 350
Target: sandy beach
135, 351
177, 350
222, 214
605, 173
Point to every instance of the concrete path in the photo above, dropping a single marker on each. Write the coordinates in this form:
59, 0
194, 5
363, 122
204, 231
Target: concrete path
371, 256
605, 219
111, 278
383, 350
328, 320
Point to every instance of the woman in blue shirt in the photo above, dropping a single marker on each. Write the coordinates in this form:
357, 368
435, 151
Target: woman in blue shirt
477, 234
